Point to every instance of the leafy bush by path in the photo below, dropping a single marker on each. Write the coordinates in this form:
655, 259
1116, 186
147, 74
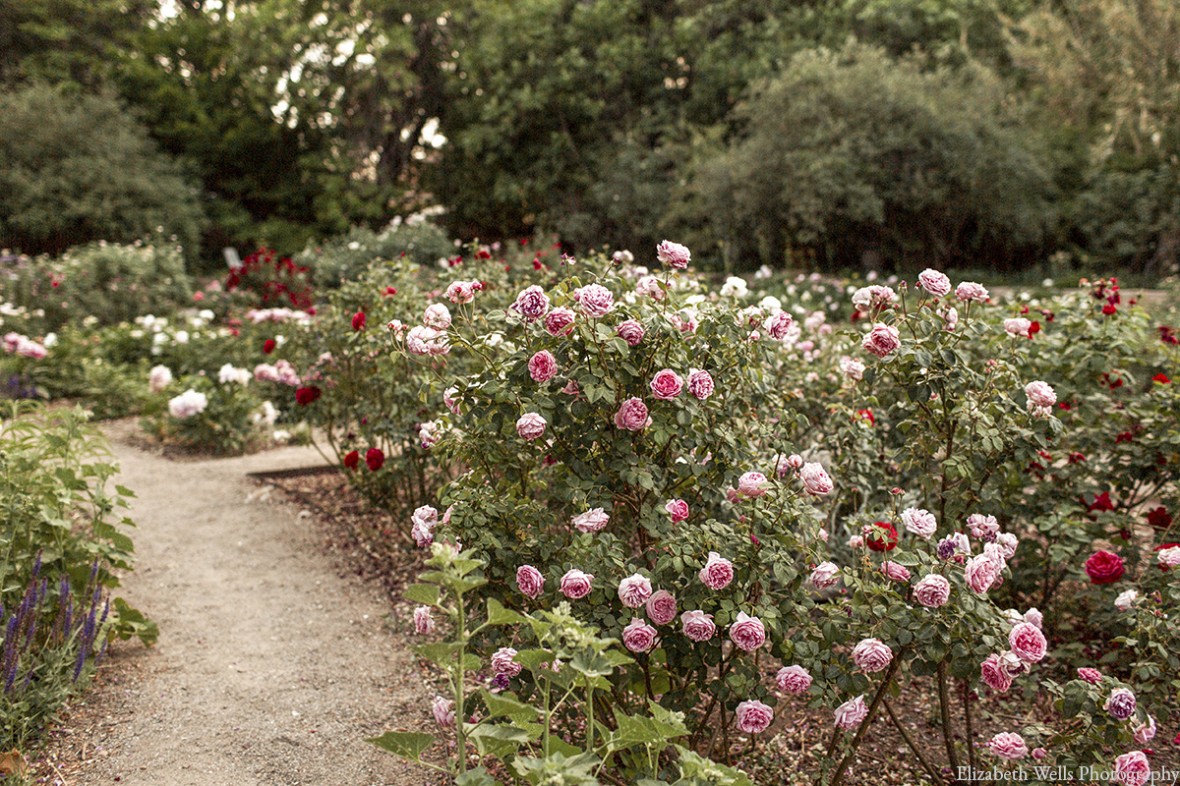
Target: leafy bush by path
63, 540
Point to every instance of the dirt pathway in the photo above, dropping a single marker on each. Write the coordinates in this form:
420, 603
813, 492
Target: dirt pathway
271, 670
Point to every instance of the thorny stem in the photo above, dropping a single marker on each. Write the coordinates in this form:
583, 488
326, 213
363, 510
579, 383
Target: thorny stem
944, 706
967, 721
905, 735
838, 775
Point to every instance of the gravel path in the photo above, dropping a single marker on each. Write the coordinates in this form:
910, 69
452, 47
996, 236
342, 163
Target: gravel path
271, 669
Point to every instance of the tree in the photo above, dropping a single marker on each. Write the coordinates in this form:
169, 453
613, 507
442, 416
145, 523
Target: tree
77, 168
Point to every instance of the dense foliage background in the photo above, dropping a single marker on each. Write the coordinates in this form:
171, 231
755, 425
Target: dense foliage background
971, 133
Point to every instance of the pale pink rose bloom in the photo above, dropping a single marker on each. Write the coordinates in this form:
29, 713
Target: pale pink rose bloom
666, 384
459, 292
700, 384
994, 673
559, 322
1169, 557
970, 291
594, 299
753, 717
673, 254
920, 522
795, 461
571, 388
542, 366
779, 325
1040, 754
852, 368
793, 679
423, 620
634, 591
752, 484
649, 286
932, 591
881, 340
575, 584
823, 534
592, 520
504, 662
423, 340
444, 711
531, 303
530, 426
872, 655
1035, 617
1007, 543
1008, 745
187, 404
717, 573
677, 509
1092, 676
160, 377
950, 319
631, 331
815, 480
1027, 642
934, 282
747, 632
394, 326
1120, 704
851, 713
856, 542
825, 575
895, 571
1145, 732
632, 415
1132, 769
697, 625
661, 607
529, 581
639, 636
1018, 327
872, 296
437, 316
983, 528
981, 572
1040, 394
450, 401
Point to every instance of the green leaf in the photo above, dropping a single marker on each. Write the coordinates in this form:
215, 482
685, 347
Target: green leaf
501, 706
422, 593
407, 744
498, 740
498, 615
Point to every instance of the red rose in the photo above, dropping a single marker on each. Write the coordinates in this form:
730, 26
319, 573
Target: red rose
1034, 328
881, 536
1101, 502
867, 416
390, 291
1109, 309
358, 321
1104, 567
374, 458
352, 459
304, 396
1161, 378
268, 346
1159, 518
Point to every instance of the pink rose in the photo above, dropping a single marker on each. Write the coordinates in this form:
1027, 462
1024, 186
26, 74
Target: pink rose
460, 292
1132, 769
983, 527
542, 366
779, 325
1120, 704
697, 625
815, 480
632, 415
504, 662
649, 286
1040, 394
559, 322
575, 584
1036, 618
531, 303
895, 572
700, 384
752, 484
639, 636
425, 519
717, 573
444, 711
594, 299
673, 254
1169, 557
437, 316
661, 607
793, 679
970, 291
666, 385
850, 714
1008, 745
825, 575
994, 673
423, 620
529, 581
1092, 676
753, 717
934, 282
634, 591
747, 632
932, 591
631, 331
423, 340
1040, 754
872, 655
592, 520
1027, 642
881, 340
1018, 327
1145, 732
677, 509
530, 426
981, 572
873, 296
920, 522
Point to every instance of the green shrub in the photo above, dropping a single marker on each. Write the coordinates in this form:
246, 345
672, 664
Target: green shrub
346, 257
